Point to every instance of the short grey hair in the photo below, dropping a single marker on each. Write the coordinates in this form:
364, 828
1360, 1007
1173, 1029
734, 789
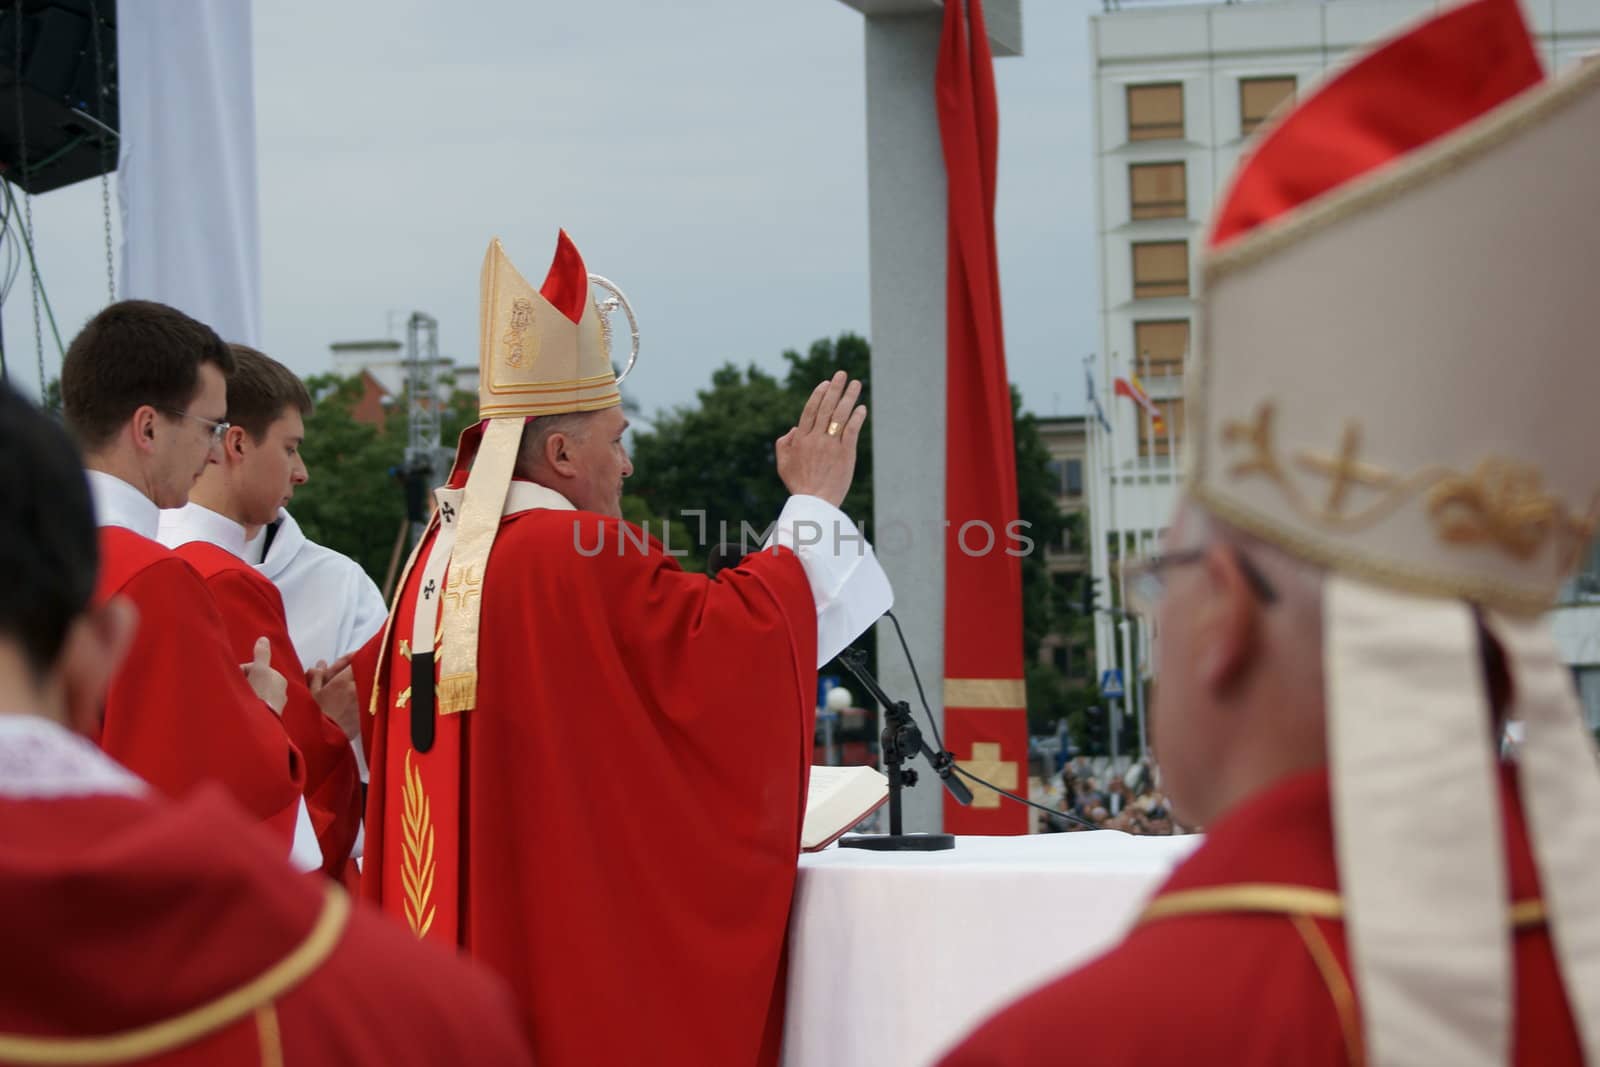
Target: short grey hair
538, 430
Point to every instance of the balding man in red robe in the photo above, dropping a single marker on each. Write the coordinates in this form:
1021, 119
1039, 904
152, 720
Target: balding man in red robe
594, 778
1388, 483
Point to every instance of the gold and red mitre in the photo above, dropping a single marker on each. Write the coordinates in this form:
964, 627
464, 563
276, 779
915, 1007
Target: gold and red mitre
1396, 382
544, 351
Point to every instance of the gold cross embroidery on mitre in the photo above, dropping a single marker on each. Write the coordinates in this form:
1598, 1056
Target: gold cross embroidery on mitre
987, 764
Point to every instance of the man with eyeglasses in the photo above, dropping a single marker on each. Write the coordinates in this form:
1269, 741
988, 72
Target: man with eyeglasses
1388, 481
144, 391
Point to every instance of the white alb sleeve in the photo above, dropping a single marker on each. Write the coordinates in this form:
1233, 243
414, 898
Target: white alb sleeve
847, 582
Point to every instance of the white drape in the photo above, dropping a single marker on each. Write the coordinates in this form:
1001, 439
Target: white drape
187, 167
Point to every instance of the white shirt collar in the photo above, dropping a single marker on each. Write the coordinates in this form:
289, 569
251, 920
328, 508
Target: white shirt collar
192, 522
287, 541
116, 503
42, 760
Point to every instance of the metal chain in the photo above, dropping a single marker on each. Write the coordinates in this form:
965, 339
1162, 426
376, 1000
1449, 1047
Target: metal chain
27, 210
105, 144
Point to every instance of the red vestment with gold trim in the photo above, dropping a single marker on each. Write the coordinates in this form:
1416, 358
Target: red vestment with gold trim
1263, 983
614, 826
123, 913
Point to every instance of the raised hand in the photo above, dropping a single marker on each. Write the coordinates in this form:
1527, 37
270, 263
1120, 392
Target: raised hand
818, 457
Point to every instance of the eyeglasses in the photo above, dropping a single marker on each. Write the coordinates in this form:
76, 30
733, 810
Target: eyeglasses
1146, 581
218, 429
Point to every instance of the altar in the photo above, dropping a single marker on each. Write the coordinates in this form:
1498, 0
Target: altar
894, 955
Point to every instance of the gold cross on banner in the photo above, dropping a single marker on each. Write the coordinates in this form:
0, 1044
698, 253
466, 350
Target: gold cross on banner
987, 764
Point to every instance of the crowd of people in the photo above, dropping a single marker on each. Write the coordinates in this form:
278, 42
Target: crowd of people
1095, 796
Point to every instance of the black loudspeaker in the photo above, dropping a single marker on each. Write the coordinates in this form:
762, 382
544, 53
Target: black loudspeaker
59, 97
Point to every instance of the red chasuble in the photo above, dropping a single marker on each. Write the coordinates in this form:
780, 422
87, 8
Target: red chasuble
175, 934
1240, 959
985, 704
180, 711
614, 827
252, 608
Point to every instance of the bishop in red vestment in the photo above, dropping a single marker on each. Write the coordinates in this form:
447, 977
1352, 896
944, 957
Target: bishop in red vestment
1348, 607
1241, 959
594, 779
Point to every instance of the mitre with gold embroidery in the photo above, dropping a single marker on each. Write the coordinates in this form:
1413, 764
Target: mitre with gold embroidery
1396, 381
544, 351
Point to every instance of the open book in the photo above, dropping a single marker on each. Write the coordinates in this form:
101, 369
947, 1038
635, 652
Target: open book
839, 798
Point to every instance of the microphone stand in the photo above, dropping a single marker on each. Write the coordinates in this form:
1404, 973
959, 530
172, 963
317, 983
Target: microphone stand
901, 740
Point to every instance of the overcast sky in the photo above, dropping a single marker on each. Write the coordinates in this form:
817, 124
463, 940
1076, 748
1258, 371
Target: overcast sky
713, 164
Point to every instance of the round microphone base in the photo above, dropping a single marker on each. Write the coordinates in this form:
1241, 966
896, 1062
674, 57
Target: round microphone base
900, 842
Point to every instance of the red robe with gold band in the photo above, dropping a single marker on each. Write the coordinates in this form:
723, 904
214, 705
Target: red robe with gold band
180, 711
141, 931
1240, 959
252, 608
614, 826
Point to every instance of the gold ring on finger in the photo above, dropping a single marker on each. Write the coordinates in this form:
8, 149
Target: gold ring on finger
833, 429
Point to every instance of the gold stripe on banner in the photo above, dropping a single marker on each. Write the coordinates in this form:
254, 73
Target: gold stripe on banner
985, 693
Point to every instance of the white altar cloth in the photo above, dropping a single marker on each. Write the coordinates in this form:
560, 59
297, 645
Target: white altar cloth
893, 956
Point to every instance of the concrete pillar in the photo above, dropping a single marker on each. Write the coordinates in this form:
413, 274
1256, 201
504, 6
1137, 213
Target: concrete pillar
906, 251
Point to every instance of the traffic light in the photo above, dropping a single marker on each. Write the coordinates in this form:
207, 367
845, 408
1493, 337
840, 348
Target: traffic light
1091, 594
1096, 731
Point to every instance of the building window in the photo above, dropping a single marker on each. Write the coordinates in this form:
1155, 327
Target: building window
1583, 587
1073, 484
1259, 97
1587, 682
1161, 346
1158, 191
1166, 439
1160, 268
1155, 112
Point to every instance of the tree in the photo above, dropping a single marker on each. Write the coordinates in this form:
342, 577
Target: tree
354, 502
718, 457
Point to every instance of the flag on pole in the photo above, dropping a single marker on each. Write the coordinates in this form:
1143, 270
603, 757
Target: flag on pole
1132, 388
1094, 402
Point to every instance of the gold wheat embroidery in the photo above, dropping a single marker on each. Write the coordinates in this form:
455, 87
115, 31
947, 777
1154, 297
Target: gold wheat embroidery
417, 866
403, 699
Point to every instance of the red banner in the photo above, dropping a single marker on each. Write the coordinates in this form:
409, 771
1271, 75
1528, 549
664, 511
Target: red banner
985, 706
